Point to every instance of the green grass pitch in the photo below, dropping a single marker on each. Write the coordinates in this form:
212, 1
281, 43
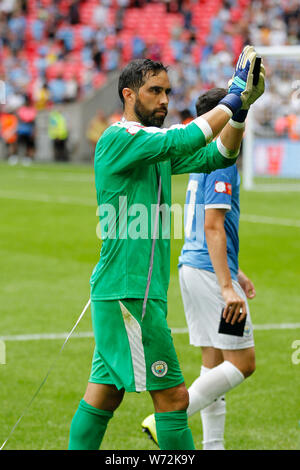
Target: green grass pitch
48, 248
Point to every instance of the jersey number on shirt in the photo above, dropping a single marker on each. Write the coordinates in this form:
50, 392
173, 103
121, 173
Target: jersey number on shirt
192, 188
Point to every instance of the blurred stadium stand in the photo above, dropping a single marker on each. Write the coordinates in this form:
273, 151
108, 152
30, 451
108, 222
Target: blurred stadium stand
67, 53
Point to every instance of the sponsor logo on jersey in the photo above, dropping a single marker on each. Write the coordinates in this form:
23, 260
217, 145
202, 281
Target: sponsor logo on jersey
222, 187
159, 368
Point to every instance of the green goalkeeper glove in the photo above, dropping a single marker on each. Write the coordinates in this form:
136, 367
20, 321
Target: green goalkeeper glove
241, 84
257, 91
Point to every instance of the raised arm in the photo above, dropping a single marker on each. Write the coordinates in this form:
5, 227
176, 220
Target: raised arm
241, 89
148, 145
219, 154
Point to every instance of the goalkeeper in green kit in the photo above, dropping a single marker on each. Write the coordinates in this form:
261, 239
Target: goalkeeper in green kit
134, 161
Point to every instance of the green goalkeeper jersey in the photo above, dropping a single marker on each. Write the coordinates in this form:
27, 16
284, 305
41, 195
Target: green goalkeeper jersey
129, 161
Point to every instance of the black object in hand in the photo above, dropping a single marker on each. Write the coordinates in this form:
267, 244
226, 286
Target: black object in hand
256, 70
228, 329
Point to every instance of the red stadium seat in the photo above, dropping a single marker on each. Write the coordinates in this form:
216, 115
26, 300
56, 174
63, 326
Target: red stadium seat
54, 70
152, 22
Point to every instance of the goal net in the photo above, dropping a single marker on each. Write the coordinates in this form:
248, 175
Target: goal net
271, 148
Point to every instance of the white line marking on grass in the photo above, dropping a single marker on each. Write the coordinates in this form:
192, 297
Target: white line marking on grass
39, 175
277, 326
45, 336
276, 188
45, 198
262, 219
90, 334
266, 326
48, 199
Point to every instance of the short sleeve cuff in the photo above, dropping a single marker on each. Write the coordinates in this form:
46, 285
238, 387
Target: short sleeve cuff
205, 128
218, 206
225, 151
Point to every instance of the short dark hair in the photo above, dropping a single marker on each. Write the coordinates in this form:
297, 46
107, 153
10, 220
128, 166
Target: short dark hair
185, 114
209, 100
134, 74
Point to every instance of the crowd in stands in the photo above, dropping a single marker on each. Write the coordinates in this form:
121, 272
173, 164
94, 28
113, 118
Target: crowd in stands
59, 51
277, 23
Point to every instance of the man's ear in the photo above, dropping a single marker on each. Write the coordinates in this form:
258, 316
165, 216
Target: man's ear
128, 95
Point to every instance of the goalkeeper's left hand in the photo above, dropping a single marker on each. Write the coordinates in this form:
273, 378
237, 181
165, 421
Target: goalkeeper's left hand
241, 83
256, 92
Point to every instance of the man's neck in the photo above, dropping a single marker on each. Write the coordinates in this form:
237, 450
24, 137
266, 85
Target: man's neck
131, 116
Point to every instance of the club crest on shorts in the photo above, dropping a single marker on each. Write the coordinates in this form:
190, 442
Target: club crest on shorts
247, 330
159, 368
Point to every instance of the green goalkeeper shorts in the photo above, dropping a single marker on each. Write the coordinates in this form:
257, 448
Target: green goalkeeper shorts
130, 353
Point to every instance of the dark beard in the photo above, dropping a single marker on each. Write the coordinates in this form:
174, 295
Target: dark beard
147, 118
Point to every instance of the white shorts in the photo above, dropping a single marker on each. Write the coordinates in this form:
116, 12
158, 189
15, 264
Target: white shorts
203, 304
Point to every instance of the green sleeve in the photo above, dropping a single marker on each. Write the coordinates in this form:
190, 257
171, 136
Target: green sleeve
205, 160
125, 148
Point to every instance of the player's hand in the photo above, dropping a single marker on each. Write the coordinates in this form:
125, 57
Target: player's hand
247, 285
241, 83
257, 90
235, 306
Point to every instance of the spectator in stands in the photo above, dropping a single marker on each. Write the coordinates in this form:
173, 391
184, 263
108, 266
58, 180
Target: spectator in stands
66, 36
178, 47
38, 29
51, 25
23, 6
74, 12
288, 126
97, 54
72, 89
154, 51
173, 6
123, 3
58, 134
26, 130
35, 35
96, 128
16, 26
188, 16
57, 88
138, 47
8, 127
112, 57
41, 95
101, 15
7, 7
119, 17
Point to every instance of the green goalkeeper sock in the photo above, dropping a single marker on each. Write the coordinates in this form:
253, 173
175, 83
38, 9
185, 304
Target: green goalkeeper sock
173, 432
88, 427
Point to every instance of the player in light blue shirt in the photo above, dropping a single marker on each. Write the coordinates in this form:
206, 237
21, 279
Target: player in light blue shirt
218, 190
214, 289
210, 280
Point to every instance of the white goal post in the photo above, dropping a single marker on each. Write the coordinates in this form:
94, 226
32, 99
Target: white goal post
283, 54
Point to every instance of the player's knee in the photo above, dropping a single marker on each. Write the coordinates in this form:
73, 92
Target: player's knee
116, 397
172, 399
249, 367
103, 397
181, 399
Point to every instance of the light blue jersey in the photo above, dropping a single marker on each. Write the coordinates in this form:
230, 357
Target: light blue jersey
219, 189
